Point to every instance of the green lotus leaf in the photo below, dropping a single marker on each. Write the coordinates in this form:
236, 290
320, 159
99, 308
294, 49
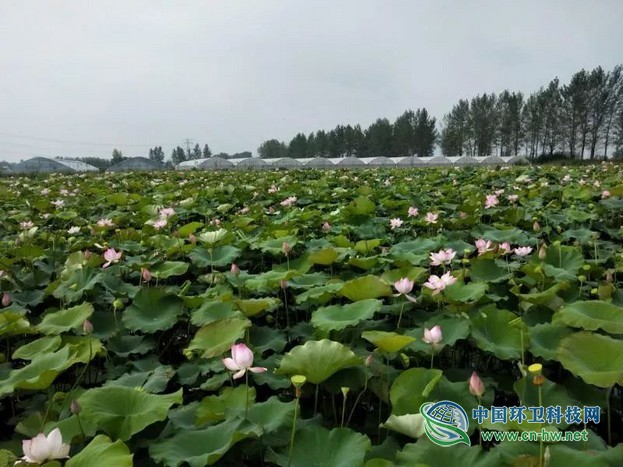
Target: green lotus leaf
486, 270
37, 347
389, 342
562, 262
122, 412
102, 451
126, 345
426, 453
551, 394
12, 323
412, 388
153, 309
217, 337
324, 257
169, 269
215, 408
466, 293
320, 295
255, 306
65, 320
494, 333
339, 447
77, 284
203, 447
213, 310
272, 414
411, 424
591, 315
365, 287
211, 238
453, 328
317, 360
545, 338
189, 228
595, 358
339, 317
220, 256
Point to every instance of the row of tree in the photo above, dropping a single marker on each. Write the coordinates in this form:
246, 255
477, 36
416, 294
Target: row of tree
580, 119
411, 133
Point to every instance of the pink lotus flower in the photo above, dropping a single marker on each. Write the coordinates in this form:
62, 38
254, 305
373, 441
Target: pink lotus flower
605, 194
396, 222
45, 192
273, 189
566, 178
241, 361
87, 327
326, 226
483, 246
6, 299
437, 284
160, 223
42, 448
431, 218
59, 203
289, 201
536, 226
26, 225
192, 239
476, 386
111, 256
167, 212
235, 270
523, 251
244, 210
146, 274
432, 336
403, 286
286, 248
73, 230
491, 201
413, 211
104, 222
505, 248
442, 257
512, 198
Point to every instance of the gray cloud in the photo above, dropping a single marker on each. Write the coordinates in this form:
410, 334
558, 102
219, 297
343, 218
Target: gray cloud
233, 74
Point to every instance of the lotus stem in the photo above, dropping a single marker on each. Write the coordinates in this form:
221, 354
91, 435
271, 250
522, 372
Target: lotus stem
316, 400
541, 440
343, 410
402, 307
609, 415
296, 407
285, 304
246, 382
432, 358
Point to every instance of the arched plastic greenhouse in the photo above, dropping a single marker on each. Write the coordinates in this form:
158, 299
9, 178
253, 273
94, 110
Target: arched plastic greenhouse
136, 163
45, 165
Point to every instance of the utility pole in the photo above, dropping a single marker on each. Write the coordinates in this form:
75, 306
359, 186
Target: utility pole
188, 142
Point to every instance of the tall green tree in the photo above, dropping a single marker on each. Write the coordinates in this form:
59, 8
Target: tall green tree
178, 155
117, 156
575, 112
379, 138
425, 134
297, 148
550, 101
206, 152
614, 105
403, 141
510, 106
484, 121
457, 133
157, 154
322, 144
272, 149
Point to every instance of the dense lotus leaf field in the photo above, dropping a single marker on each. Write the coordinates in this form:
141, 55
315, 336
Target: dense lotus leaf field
302, 318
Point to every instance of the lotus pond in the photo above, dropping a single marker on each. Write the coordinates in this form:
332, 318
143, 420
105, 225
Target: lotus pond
303, 318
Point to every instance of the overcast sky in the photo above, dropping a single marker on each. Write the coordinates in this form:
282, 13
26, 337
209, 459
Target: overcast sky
135, 74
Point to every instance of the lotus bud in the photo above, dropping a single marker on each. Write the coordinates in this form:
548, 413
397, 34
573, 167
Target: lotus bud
286, 248
609, 276
536, 226
476, 386
283, 284
75, 407
87, 254
87, 327
542, 252
146, 274
6, 299
192, 239
368, 360
235, 270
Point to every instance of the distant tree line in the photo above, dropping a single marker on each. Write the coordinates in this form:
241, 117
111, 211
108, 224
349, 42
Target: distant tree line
411, 133
581, 119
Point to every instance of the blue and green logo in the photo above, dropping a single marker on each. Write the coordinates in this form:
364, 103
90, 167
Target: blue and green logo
446, 423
